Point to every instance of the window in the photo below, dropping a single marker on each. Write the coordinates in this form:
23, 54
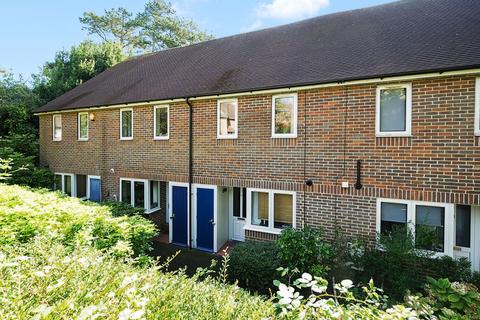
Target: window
239, 202
64, 182
432, 224
270, 210
81, 186
477, 107
126, 124
57, 127
83, 126
227, 115
140, 193
463, 223
161, 123
284, 116
394, 110
430, 228
393, 216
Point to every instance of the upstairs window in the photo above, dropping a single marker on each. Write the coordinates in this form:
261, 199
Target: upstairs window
477, 107
126, 124
83, 126
227, 119
284, 116
161, 122
394, 110
57, 127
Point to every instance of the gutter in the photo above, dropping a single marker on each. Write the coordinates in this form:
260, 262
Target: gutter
277, 90
190, 168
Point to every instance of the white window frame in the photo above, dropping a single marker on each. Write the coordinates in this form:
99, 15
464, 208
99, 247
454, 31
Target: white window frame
271, 228
88, 185
449, 228
146, 190
73, 185
78, 125
227, 136
408, 111
150, 209
121, 123
53, 127
155, 108
294, 116
477, 106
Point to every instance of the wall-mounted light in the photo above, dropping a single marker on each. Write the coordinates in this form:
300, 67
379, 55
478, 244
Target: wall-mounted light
92, 116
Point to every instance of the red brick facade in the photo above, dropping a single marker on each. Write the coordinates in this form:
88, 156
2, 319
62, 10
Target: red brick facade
440, 162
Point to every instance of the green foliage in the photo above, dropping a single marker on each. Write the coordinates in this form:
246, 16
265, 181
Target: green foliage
157, 27
17, 100
254, 265
119, 209
448, 267
75, 66
23, 170
304, 249
46, 280
5, 168
25, 214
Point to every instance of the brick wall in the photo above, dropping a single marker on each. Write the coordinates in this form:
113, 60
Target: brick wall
336, 127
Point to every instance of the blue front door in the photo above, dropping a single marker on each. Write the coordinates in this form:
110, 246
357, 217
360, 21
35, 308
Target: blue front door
95, 190
180, 215
205, 221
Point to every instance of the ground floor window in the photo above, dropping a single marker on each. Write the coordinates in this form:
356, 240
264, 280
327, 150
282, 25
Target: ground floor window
81, 186
64, 182
240, 202
270, 210
140, 193
432, 224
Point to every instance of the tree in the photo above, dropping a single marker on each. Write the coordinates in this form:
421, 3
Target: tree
157, 27
73, 67
17, 100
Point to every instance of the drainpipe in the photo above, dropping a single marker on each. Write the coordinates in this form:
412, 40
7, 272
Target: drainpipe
190, 168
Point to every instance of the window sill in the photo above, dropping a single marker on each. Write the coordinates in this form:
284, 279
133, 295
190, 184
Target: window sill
393, 134
152, 210
262, 229
284, 136
56, 140
227, 137
82, 139
126, 139
161, 138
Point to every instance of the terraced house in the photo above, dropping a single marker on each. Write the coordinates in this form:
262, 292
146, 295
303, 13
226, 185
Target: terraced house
362, 120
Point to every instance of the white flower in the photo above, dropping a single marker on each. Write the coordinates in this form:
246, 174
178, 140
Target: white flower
127, 314
87, 312
319, 289
347, 284
306, 278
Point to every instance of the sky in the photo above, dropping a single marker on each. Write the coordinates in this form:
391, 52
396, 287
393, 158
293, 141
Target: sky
31, 31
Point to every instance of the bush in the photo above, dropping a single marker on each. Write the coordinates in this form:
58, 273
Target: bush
448, 267
254, 265
119, 209
304, 249
43, 279
25, 213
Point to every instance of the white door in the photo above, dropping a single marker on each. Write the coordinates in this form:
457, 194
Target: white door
238, 213
467, 234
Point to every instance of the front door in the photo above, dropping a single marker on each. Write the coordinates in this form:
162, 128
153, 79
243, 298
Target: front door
239, 213
179, 215
95, 193
205, 218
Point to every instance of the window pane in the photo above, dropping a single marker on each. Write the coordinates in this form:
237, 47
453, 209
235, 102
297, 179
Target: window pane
244, 202
81, 185
260, 209
462, 224
236, 202
282, 210
161, 118
57, 127
126, 124
393, 216
227, 118
154, 194
139, 194
127, 192
393, 106
57, 184
429, 228
83, 123
284, 114
67, 185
